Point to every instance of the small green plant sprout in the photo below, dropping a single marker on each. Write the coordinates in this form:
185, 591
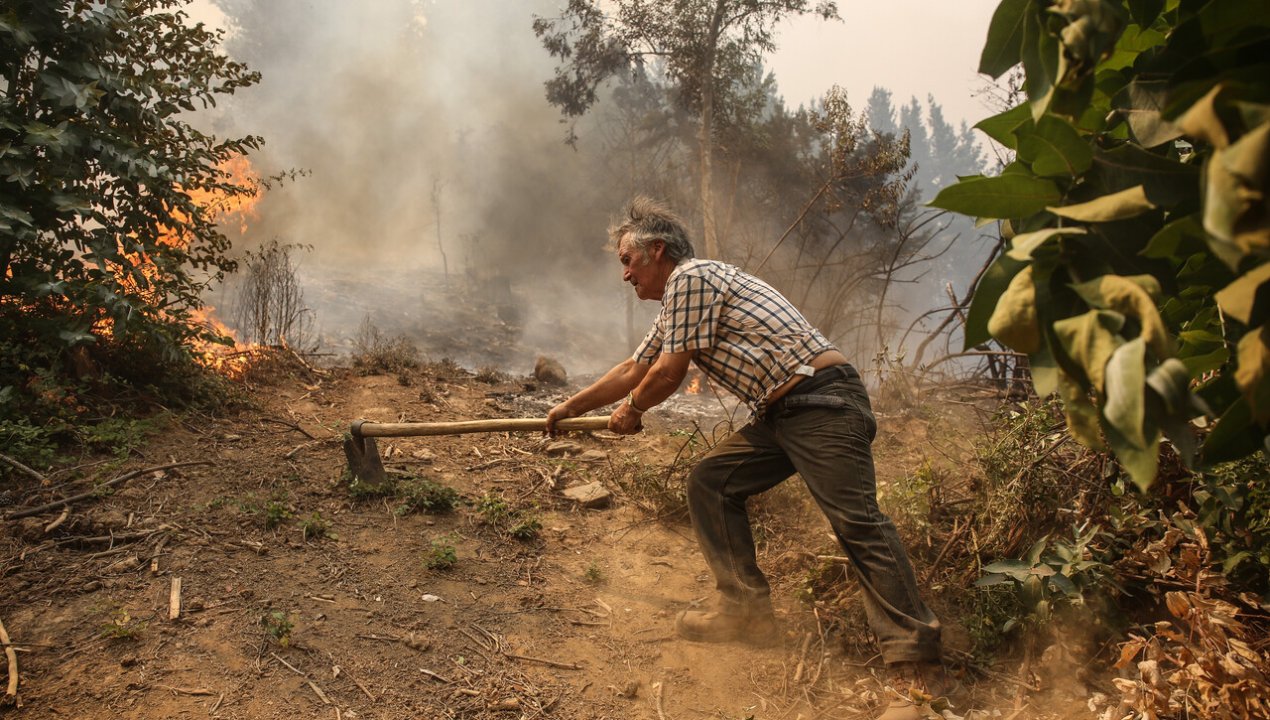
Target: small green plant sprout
493, 509
441, 555
277, 513
122, 626
526, 527
423, 495
1048, 577
593, 574
278, 625
315, 527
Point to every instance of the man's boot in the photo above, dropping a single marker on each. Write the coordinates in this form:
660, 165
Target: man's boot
757, 628
921, 686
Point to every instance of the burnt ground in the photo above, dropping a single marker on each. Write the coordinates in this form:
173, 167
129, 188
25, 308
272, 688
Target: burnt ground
572, 622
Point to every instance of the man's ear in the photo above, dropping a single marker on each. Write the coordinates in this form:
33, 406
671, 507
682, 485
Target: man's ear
658, 250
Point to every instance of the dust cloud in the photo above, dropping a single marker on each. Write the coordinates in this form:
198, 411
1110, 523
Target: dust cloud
438, 197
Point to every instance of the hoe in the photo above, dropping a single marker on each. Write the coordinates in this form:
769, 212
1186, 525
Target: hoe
368, 467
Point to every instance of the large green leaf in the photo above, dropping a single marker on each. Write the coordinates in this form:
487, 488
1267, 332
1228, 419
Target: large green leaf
1108, 208
1254, 370
1144, 12
1013, 321
1089, 339
1005, 196
1177, 239
1167, 182
1234, 436
984, 301
1141, 103
1001, 127
1042, 57
1132, 296
1124, 407
1054, 148
1002, 49
1022, 246
1082, 416
1248, 296
1142, 463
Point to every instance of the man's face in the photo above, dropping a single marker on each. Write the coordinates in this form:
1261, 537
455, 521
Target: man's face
643, 270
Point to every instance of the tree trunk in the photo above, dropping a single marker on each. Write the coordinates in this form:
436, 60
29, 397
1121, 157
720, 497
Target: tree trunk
706, 135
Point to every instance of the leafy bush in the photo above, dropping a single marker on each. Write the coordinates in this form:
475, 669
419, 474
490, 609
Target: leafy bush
1137, 259
441, 556
375, 354
423, 495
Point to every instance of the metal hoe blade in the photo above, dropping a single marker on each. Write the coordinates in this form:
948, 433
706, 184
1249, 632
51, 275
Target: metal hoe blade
363, 457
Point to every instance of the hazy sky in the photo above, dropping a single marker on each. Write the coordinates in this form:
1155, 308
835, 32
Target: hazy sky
910, 47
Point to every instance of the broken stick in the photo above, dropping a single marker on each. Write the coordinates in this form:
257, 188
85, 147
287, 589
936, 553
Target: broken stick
11, 692
28, 512
174, 599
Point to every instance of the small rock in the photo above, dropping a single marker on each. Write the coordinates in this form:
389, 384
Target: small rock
424, 456
591, 495
630, 691
591, 456
563, 447
549, 371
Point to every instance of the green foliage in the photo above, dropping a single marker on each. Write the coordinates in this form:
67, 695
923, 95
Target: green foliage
907, 500
441, 555
279, 625
315, 526
493, 509
122, 626
1051, 575
423, 495
118, 436
526, 527
105, 244
594, 574
1137, 217
361, 491
1232, 507
275, 513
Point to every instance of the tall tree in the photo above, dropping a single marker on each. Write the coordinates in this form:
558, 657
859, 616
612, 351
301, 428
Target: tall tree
880, 111
704, 45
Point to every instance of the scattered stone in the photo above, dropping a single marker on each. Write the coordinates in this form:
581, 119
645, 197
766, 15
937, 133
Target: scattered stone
591, 456
563, 447
549, 371
590, 495
630, 691
424, 456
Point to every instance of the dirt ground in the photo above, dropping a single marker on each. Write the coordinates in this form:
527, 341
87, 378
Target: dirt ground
280, 620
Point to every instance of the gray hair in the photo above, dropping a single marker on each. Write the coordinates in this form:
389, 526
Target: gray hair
646, 220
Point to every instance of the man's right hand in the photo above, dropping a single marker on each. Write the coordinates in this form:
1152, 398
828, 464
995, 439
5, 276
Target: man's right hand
558, 413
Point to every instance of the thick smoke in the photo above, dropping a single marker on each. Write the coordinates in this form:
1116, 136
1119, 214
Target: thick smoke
397, 110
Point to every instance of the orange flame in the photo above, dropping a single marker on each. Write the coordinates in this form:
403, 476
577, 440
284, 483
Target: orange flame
694, 386
221, 207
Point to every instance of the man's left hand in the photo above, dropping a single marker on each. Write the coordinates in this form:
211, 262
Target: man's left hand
625, 420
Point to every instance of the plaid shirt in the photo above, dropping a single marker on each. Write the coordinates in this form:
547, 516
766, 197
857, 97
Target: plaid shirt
745, 335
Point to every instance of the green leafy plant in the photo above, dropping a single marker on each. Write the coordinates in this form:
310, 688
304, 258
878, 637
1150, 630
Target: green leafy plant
526, 527
278, 625
423, 495
276, 513
442, 555
315, 526
594, 574
1050, 575
1134, 220
493, 509
122, 626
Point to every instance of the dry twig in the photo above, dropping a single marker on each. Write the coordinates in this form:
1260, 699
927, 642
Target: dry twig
11, 691
317, 690
28, 512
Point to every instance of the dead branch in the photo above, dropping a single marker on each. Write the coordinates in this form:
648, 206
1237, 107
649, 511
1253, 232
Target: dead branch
317, 690
10, 692
291, 425
543, 661
186, 691
19, 466
28, 512
66, 512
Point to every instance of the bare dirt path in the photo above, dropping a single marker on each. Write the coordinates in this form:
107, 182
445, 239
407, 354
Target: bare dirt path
300, 600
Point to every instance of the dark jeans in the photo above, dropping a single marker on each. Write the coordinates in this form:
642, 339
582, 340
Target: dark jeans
822, 431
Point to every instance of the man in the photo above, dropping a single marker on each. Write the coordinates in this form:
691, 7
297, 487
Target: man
811, 415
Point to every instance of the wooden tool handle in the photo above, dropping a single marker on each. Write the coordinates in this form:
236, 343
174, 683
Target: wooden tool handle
365, 428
